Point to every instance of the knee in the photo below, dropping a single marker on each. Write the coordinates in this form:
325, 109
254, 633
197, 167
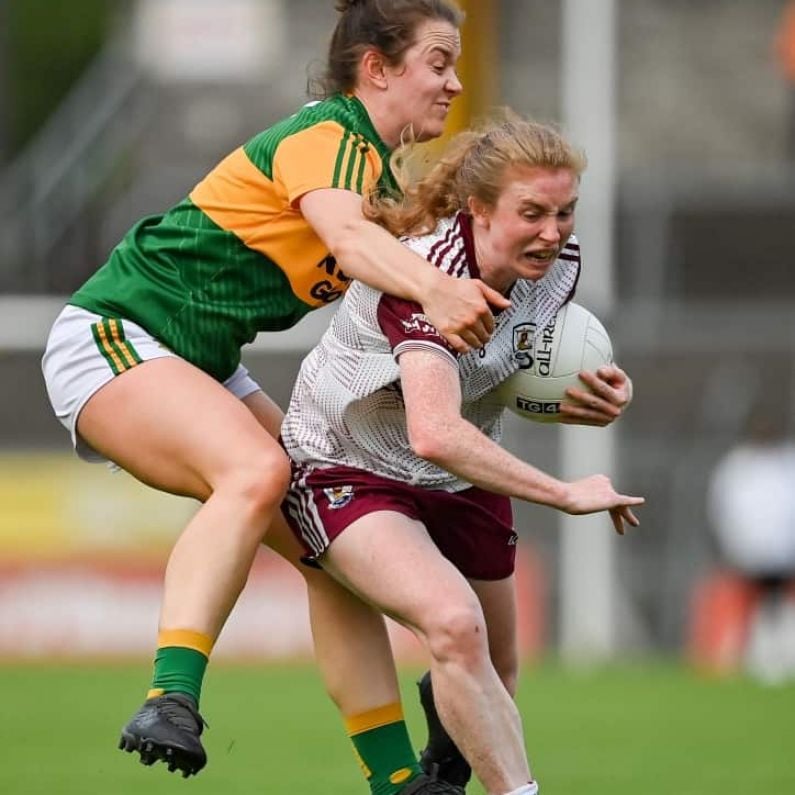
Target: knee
457, 633
258, 483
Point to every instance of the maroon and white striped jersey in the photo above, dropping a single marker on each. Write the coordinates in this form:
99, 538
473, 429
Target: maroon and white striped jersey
347, 407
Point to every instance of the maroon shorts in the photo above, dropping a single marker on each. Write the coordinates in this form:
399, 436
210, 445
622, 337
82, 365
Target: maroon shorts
472, 528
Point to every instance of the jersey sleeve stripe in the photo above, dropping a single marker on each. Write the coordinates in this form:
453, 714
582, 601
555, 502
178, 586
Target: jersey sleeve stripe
341, 153
355, 157
360, 175
350, 168
354, 153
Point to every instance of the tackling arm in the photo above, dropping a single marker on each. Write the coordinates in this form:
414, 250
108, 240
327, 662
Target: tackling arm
459, 308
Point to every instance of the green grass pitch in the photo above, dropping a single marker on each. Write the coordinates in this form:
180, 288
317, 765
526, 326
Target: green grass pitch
633, 730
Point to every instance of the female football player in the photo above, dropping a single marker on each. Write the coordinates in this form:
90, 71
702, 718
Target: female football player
400, 488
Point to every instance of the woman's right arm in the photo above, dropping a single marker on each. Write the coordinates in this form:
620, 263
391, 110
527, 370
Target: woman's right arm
459, 308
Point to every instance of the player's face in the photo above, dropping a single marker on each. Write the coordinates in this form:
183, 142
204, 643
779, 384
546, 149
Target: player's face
522, 236
422, 88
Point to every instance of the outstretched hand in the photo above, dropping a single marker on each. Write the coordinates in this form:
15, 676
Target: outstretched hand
623, 516
460, 311
606, 394
596, 493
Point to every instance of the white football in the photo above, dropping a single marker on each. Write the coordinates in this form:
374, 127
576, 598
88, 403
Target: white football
573, 341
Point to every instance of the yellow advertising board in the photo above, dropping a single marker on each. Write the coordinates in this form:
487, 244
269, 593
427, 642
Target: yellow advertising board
55, 506
82, 553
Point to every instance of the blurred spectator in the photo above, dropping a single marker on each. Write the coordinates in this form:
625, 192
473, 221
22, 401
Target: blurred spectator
751, 507
785, 55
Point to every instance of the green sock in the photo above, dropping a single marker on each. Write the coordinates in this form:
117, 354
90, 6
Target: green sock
178, 670
384, 749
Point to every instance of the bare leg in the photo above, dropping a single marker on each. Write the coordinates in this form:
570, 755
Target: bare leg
352, 648
498, 600
390, 560
175, 428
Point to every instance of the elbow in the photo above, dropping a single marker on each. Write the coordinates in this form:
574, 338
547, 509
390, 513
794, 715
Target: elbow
346, 244
428, 445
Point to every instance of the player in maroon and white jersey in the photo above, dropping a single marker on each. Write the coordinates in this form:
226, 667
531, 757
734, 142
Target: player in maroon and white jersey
400, 488
348, 408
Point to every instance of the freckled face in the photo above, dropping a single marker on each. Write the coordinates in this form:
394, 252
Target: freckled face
523, 235
423, 86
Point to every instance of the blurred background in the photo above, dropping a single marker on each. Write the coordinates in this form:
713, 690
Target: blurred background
110, 110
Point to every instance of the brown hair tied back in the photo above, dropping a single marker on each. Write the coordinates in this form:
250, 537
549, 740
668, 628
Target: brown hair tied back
388, 26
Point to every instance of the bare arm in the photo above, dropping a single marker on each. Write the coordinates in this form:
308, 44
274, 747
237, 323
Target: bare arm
439, 433
459, 308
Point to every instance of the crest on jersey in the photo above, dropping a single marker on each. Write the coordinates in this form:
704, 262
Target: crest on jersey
338, 496
419, 324
523, 336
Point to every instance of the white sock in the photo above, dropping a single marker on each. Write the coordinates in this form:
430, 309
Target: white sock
527, 789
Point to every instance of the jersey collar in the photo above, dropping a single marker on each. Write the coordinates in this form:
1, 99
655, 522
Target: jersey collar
464, 221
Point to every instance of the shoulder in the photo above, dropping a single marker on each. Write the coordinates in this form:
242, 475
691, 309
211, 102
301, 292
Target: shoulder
321, 118
317, 147
444, 247
336, 112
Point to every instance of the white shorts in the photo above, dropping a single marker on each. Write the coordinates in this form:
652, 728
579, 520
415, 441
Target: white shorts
84, 351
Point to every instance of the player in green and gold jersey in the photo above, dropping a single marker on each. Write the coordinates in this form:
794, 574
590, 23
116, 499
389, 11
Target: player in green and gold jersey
238, 256
143, 365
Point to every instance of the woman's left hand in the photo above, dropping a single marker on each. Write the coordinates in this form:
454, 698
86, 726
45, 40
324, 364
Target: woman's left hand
607, 392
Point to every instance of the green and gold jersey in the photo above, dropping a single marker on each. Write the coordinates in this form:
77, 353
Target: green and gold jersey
236, 256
